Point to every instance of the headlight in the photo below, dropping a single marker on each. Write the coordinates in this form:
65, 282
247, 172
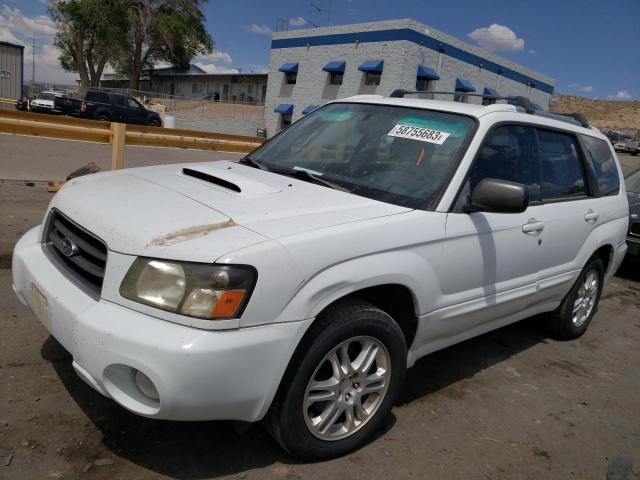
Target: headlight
194, 289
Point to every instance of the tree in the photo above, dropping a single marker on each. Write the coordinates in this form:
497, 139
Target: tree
91, 33
167, 31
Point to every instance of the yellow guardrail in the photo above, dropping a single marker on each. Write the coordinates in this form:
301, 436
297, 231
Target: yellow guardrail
8, 100
119, 135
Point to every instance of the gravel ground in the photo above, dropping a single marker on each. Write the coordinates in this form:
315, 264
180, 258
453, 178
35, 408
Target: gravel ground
511, 404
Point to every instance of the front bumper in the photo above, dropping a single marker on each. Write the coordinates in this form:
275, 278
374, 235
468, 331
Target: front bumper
198, 374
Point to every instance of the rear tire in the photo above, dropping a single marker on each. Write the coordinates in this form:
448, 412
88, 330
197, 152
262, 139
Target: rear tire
154, 123
103, 118
580, 305
341, 382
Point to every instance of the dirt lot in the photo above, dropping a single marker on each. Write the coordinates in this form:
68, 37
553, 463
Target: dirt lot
512, 404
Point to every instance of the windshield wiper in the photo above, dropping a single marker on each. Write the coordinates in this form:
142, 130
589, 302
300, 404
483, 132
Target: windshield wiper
252, 163
309, 177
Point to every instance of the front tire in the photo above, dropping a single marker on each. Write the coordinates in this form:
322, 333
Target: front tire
341, 383
579, 307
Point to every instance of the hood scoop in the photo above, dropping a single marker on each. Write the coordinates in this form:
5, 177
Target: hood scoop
229, 177
221, 182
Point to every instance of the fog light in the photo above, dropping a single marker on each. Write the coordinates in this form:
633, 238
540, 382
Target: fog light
146, 386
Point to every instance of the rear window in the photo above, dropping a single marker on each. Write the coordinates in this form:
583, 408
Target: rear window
98, 97
602, 164
562, 175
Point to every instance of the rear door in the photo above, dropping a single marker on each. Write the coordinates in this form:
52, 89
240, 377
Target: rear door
120, 108
570, 212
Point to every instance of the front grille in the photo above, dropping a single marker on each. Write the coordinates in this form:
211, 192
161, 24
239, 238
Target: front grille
76, 251
634, 229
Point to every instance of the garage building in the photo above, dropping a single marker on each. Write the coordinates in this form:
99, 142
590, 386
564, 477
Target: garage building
310, 67
11, 72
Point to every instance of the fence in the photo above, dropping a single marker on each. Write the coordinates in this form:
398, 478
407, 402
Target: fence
119, 135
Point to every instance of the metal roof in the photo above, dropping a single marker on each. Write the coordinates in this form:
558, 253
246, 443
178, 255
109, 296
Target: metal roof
9, 44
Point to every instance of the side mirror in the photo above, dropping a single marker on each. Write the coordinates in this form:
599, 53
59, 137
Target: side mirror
499, 196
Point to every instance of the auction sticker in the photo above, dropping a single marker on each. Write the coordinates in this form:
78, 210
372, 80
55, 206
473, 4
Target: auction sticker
418, 133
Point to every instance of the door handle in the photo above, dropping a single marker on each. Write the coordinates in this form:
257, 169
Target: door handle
591, 216
533, 227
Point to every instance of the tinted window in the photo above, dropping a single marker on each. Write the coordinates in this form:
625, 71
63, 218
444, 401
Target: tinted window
633, 182
562, 175
133, 104
602, 164
98, 97
507, 153
120, 101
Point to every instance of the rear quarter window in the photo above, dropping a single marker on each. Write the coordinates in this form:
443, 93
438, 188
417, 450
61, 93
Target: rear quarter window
97, 97
603, 165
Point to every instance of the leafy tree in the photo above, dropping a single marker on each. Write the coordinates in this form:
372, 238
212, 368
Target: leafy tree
163, 31
91, 33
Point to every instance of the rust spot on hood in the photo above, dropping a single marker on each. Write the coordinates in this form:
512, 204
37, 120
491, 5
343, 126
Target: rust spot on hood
190, 233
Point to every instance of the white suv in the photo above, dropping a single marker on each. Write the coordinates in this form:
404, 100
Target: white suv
297, 285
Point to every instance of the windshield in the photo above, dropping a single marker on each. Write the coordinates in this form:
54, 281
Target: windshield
393, 154
46, 96
632, 182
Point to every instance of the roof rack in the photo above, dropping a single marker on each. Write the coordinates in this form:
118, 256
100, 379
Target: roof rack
527, 105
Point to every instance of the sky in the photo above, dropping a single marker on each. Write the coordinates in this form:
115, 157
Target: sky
591, 48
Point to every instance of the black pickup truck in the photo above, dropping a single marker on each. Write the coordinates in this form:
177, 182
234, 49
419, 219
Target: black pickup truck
109, 106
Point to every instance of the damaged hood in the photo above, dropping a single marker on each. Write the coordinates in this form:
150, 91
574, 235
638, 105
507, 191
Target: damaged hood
216, 208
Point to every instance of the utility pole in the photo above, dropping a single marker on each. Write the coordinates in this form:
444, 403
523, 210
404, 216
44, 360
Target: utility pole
35, 46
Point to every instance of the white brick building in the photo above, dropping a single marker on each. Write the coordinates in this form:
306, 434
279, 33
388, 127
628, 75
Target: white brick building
310, 67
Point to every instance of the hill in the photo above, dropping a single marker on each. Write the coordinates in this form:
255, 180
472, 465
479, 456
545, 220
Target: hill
604, 114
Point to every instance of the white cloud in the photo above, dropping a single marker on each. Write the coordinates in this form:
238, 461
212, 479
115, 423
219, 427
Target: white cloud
587, 88
622, 95
260, 29
211, 68
48, 69
297, 22
215, 56
574, 85
497, 38
532, 51
20, 25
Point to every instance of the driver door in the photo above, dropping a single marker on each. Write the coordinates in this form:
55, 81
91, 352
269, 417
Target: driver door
490, 261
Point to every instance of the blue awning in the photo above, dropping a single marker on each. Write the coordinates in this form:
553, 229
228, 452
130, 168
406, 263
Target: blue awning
309, 109
289, 68
334, 67
284, 108
490, 92
426, 72
372, 66
463, 85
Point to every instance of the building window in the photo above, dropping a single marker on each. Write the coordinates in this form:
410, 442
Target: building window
285, 120
460, 96
422, 84
290, 78
335, 78
196, 88
372, 78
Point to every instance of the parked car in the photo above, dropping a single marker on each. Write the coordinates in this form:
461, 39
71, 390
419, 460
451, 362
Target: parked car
632, 183
116, 107
297, 285
45, 102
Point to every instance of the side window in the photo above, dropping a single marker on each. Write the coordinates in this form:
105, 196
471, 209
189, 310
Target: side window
507, 153
602, 164
133, 104
97, 97
120, 101
562, 174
